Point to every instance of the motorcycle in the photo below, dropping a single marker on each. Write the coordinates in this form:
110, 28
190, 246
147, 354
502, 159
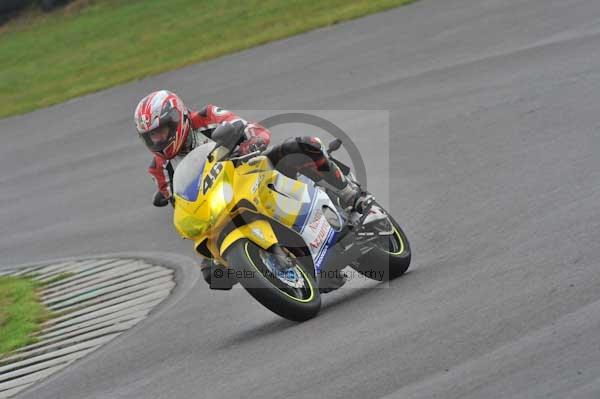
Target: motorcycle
281, 238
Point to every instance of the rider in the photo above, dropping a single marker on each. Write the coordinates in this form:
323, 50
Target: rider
170, 131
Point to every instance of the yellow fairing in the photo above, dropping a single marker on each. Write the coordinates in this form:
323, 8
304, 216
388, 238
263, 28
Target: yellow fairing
259, 231
225, 191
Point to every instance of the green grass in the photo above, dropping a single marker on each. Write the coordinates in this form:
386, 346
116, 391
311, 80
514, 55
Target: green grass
20, 312
47, 59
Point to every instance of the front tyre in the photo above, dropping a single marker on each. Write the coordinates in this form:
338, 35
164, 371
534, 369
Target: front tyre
277, 280
390, 257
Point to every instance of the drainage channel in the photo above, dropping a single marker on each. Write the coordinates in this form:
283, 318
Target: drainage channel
96, 300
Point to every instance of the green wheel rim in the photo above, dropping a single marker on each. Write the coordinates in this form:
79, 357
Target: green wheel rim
400, 240
300, 270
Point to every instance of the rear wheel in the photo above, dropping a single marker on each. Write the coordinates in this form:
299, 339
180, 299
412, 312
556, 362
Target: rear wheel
276, 279
390, 257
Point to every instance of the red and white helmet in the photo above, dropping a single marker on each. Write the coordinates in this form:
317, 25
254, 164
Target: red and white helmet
162, 122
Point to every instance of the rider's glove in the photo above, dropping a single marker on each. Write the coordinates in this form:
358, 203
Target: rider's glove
253, 144
159, 199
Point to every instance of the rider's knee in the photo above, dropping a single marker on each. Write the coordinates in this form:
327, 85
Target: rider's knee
310, 143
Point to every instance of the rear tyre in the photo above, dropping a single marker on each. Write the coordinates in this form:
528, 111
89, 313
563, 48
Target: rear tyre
389, 259
280, 283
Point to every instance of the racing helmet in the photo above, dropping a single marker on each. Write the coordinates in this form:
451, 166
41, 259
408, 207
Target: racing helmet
162, 122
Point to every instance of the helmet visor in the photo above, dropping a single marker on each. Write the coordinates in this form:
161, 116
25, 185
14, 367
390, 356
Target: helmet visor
158, 139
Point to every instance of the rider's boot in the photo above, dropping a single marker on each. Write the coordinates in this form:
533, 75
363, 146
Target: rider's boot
360, 204
353, 197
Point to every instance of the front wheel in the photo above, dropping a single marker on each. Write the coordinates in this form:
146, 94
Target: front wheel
275, 279
390, 257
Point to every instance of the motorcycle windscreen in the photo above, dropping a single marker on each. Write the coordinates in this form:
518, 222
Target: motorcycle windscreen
188, 174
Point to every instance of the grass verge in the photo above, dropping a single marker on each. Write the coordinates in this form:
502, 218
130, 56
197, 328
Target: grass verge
21, 313
95, 44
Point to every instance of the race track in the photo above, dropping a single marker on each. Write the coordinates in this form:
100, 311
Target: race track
495, 175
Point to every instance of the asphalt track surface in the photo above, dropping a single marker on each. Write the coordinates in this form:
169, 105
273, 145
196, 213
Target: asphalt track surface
495, 176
